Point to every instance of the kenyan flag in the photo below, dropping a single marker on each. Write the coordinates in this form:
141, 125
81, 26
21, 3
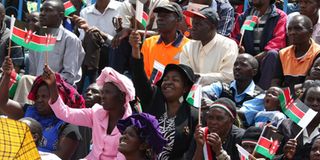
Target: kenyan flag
194, 96
285, 98
14, 79
268, 142
39, 41
141, 16
249, 23
68, 8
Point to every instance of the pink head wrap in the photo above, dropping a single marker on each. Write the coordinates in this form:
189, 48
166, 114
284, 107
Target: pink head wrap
121, 81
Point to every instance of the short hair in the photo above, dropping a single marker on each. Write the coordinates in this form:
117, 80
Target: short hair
252, 61
308, 85
35, 127
59, 5
306, 21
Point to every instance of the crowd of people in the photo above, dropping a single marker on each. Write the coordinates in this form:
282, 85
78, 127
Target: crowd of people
113, 88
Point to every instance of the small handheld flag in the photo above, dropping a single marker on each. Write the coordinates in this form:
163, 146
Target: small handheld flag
141, 16
68, 8
13, 83
244, 154
248, 25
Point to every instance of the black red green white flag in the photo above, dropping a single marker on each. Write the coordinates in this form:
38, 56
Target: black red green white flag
268, 142
40, 40
68, 8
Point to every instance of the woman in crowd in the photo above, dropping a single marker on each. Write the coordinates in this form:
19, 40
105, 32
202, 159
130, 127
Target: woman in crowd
220, 135
166, 101
141, 137
300, 148
315, 149
58, 137
117, 91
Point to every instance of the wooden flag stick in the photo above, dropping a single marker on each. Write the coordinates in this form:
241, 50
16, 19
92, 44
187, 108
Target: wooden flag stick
68, 17
46, 58
295, 138
9, 49
241, 38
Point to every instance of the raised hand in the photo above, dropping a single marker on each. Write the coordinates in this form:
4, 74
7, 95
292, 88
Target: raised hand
199, 136
7, 66
215, 142
289, 149
80, 22
48, 76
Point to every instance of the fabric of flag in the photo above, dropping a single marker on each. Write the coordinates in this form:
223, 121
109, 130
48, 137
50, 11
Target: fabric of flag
300, 113
285, 98
244, 154
40, 40
141, 16
194, 96
268, 142
13, 83
138, 106
207, 152
157, 72
68, 8
249, 23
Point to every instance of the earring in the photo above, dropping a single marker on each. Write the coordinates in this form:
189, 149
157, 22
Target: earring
181, 99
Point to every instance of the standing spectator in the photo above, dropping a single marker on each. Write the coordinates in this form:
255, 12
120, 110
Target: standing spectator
67, 55
267, 38
296, 60
243, 91
209, 54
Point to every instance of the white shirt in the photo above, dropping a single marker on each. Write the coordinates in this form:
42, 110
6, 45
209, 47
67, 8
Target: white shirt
214, 60
48, 156
103, 21
308, 138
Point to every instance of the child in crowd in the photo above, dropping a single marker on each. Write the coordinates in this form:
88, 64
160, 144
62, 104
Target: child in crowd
272, 113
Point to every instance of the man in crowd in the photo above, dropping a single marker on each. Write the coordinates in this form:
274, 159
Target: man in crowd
243, 91
267, 38
209, 54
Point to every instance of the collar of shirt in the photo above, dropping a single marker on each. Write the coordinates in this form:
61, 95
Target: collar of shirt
249, 90
308, 138
92, 9
311, 51
60, 33
176, 43
207, 48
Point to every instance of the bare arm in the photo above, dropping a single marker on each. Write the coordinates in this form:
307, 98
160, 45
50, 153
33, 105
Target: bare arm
10, 108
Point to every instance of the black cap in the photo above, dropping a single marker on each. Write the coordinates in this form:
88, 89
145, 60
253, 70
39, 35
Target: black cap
183, 69
170, 6
206, 12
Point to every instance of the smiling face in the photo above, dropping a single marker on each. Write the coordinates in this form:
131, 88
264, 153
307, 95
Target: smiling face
315, 150
271, 100
173, 85
218, 121
112, 97
42, 101
312, 98
130, 142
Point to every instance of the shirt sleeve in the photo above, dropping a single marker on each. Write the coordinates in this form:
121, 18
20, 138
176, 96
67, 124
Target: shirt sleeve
226, 15
212, 91
81, 117
184, 56
251, 107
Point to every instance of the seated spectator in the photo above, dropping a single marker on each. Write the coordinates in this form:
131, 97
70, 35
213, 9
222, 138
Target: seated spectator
272, 113
296, 60
163, 49
315, 149
243, 91
314, 73
67, 56
16, 141
311, 9
36, 131
58, 137
167, 102
117, 91
141, 137
300, 148
267, 38
209, 54
220, 135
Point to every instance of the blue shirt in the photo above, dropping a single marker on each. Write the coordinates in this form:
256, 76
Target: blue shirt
250, 108
226, 16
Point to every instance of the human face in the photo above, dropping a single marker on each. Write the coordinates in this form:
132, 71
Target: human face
166, 21
242, 69
49, 14
248, 146
308, 7
218, 121
315, 150
312, 98
92, 95
271, 101
173, 86
298, 34
200, 28
129, 141
42, 101
111, 97
315, 70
